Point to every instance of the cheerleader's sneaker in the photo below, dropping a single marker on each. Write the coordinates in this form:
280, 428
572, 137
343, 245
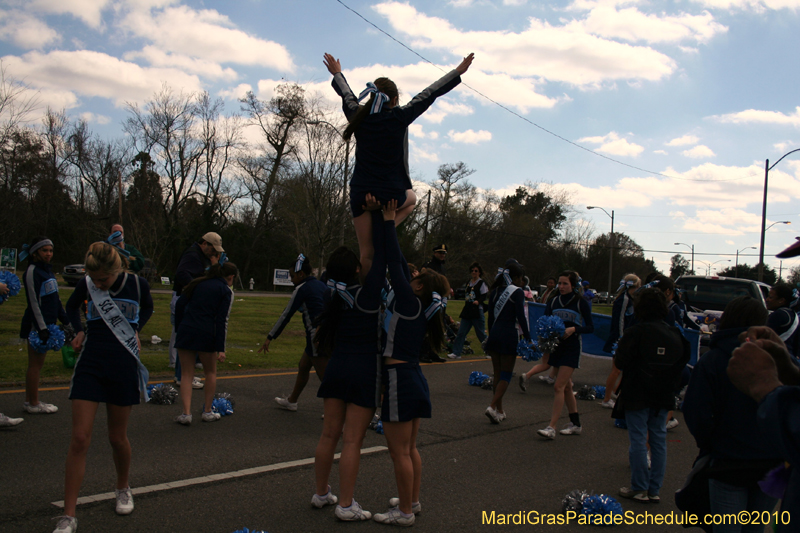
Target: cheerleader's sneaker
211, 416
547, 379
395, 517
501, 416
416, 507
39, 408
286, 404
354, 513
492, 415
7, 421
549, 432
454, 357
197, 384
66, 524
185, 420
609, 404
326, 499
672, 424
571, 429
523, 383
124, 501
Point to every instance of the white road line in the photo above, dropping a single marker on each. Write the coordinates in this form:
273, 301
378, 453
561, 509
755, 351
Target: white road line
211, 478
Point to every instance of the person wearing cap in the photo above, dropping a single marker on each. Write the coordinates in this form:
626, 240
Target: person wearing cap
308, 299
437, 261
193, 264
135, 258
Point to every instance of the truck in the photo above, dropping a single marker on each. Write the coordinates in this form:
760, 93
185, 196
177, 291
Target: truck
713, 293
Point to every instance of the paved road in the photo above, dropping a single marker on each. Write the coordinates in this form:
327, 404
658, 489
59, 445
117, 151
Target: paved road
469, 465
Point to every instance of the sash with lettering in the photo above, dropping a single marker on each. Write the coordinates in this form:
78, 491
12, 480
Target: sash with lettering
503, 300
121, 328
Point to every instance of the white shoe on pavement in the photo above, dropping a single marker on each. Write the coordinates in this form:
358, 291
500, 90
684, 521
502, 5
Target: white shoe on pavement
124, 501
571, 429
7, 421
66, 524
549, 432
39, 408
286, 404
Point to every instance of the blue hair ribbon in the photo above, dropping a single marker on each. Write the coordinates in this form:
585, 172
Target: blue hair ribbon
28, 250
505, 273
341, 289
436, 305
222, 258
380, 98
298, 264
114, 240
626, 284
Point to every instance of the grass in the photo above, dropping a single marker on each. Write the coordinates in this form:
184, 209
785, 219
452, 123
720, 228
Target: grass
251, 319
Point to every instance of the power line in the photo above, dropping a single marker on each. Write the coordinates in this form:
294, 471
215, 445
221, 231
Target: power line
498, 104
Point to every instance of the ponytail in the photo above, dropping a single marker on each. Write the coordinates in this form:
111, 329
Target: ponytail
215, 271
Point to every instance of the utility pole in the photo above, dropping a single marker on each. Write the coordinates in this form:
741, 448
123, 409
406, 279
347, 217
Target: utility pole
427, 217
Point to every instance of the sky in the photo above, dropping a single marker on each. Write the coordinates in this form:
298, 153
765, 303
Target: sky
662, 112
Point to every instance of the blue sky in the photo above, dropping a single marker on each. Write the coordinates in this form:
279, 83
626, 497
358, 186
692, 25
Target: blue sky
696, 94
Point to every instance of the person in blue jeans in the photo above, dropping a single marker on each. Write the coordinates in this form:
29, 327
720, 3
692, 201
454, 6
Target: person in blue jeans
476, 291
651, 355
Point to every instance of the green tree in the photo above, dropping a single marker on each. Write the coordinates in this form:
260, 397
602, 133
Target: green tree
679, 266
750, 272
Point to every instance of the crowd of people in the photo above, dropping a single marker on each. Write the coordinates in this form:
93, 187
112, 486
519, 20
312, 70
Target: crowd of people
372, 317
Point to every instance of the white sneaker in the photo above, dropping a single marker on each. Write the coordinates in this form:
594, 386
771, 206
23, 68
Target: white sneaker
609, 404
66, 524
451, 356
547, 432
7, 421
571, 429
286, 404
416, 507
198, 365
211, 416
39, 408
672, 424
185, 420
354, 513
124, 501
501, 416
523, 382
394, 517
492, 415
197, 384
547, 379
326, 499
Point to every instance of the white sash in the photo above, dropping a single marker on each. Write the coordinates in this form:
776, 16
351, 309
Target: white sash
119, 325
501, 302
788, 333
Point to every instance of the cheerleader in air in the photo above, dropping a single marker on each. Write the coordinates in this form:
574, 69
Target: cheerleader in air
107, 371
576, 313
381, 129
44, 308
413, 317
306, 298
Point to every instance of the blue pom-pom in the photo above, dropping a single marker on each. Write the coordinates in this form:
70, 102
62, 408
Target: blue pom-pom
55, 342
529, 352
600, 391
603, 508
549, 329
12, 282
477, 378
379, 428
221, 406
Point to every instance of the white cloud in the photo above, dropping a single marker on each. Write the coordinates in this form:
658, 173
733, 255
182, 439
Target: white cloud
91, 117
613, 144
728, 220
25, 30
751, 116
419, 153
91, 74
416, 130
556, 53
660, 152
514, 2
89, 11
461, 3
208, 35
207, 69
470, 136
699, 152
683, 141
755, 5
443, 107
236, 92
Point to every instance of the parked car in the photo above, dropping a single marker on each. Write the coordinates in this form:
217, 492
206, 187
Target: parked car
713, 293
459, 293
72, 274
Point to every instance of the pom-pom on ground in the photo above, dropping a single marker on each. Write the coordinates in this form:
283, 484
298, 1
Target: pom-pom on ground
162, 394
573, 501
477, 378
601, 508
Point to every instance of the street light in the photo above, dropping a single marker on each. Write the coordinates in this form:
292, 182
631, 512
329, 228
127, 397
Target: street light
779, 222
709, 265
690, 246
737, 257
346, 165
767, 168
611, 247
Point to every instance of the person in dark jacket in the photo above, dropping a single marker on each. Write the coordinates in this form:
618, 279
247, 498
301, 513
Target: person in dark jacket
201, 318
381, 130
651, 355
762, 368
472, 314
308, 299
44, 308
784, 301
437, 262
724, 423
194, 262
621, 319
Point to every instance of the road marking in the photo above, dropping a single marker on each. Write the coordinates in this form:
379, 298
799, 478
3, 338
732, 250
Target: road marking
234, 376
211, 478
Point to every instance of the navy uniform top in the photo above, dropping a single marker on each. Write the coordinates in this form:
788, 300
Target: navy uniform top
682, 319
306, 298
407, 324
512, 313
44, 305
207, 310
622, 318
130, 293
785, 322
358, 330
193, 264
576, 313
382, 138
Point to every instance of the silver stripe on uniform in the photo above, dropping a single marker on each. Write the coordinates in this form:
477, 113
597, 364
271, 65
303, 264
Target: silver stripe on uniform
394, 411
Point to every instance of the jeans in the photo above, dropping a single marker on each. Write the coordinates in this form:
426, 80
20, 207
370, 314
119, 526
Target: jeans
730, 499
463, 329
641, 423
